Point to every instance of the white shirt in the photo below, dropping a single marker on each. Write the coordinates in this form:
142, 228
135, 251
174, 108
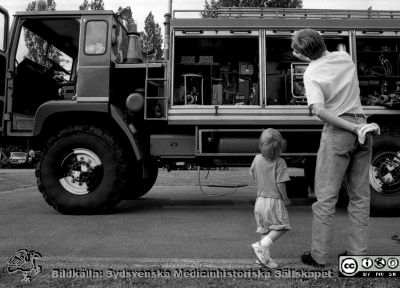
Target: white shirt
332, 80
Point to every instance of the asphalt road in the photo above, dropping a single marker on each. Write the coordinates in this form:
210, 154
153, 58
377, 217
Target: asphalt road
170, 222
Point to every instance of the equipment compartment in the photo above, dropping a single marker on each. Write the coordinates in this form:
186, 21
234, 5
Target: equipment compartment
284, 72
210, 70
378, 69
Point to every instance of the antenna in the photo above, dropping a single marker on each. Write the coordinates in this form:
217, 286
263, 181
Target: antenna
170, 7
167, 30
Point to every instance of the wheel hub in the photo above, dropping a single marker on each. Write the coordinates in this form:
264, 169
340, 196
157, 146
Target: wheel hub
384, 174
81, 171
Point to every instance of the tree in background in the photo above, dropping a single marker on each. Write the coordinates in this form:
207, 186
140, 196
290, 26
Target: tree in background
129, 23
216, 4
209, 9
152, 39
85, 5
42, 5
37, 47
93, 5
284, 3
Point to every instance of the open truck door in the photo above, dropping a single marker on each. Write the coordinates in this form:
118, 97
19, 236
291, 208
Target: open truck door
3, 62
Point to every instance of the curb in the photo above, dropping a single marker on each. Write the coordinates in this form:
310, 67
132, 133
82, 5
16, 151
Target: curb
164, 263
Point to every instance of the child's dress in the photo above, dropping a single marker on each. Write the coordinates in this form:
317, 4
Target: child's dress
270, 211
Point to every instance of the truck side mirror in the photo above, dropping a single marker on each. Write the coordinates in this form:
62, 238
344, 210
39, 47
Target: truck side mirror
125, 13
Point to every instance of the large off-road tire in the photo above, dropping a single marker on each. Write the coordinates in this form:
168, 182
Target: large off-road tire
82, 171
141, 186
384, 176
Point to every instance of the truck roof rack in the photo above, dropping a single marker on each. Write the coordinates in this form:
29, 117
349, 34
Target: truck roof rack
293, 13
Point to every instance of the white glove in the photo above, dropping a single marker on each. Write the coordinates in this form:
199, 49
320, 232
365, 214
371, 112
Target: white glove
367, 128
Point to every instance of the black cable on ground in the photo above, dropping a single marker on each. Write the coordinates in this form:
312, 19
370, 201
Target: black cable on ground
218, 186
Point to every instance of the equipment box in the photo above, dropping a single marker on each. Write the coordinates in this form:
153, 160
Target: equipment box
172, 145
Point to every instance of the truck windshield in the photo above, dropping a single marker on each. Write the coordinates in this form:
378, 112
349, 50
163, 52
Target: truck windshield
46, 50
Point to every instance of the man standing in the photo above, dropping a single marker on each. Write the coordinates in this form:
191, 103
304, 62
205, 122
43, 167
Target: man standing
333, 93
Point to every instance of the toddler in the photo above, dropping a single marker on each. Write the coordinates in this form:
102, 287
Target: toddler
270, 173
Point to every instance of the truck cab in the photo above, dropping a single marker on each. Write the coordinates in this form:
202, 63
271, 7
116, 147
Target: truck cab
42, 64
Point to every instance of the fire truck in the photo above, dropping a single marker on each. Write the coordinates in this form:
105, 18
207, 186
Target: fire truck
76, 85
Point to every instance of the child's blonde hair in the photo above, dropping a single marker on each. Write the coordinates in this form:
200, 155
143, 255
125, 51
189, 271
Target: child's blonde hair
270, 143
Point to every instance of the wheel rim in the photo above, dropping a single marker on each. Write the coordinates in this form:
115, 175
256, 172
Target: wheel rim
384, 175
82, 171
